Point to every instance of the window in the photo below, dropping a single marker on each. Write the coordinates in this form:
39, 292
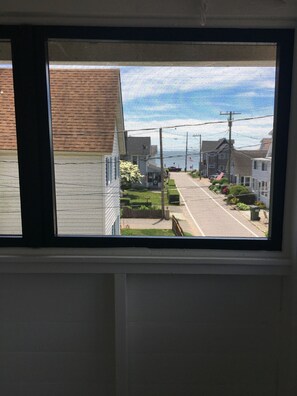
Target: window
75, 190
264, 166
134, 160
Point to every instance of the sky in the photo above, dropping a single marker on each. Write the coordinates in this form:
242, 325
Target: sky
155, 97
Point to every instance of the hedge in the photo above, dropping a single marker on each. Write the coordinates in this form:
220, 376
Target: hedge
125, 201
171, 182
173, 196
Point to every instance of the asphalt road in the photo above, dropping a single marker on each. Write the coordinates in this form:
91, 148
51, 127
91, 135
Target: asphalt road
208, 213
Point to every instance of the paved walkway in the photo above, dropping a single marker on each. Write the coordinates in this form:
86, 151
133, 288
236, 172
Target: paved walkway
208, 212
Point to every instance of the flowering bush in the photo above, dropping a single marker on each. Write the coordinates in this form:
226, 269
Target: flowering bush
130, 174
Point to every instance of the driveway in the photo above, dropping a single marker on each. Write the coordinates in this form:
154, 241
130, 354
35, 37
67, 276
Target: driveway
207, 211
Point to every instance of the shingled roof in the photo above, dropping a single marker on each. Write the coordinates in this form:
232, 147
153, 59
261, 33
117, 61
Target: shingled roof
85, 104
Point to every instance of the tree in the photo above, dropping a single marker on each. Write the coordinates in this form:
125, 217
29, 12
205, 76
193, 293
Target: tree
130, 174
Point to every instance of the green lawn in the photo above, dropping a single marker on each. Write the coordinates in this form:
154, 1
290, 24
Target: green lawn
147, 232
145, 196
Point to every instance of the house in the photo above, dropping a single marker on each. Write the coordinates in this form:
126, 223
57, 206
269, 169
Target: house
241, 165
141, 321
215, 155
261, 173
86, 122
141, 152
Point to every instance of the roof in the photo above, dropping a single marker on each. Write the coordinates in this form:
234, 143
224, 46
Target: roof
85, 105
242, 160
208, 145
215, 145
265, 143
139, 145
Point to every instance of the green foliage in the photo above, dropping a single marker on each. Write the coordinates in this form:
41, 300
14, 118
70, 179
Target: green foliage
125, 201
237, 189
171, 183
221, 181
146, 232
242, 206
173, 196
231, 200
195, 174
130, 174
260, 204
143, 196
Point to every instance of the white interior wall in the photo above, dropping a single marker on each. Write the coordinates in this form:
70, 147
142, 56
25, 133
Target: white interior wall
231, 313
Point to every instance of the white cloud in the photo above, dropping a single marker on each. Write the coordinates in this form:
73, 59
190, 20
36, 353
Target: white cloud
152, 81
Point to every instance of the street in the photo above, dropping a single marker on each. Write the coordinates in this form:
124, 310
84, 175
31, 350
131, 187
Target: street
208, 213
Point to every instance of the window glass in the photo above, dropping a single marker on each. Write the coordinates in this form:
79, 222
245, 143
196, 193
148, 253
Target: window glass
118, 101
10, 209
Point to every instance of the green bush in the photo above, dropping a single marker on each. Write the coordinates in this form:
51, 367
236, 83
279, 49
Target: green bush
231, 200
260, 204
238, 189
221, 181
242, 206
173, 196
171, 183
125, 201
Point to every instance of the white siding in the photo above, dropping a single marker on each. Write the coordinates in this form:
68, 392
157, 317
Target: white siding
112, 193
10, 209
79, 192
259, 176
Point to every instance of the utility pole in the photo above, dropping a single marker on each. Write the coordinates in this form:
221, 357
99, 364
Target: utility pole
200, 161
186, 159
230, 121
162, 175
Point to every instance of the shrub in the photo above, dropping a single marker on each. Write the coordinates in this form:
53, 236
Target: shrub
248, 199
171, 183
173, 196
242, 206
260, 204
225, 189
221, 181
231, 200
237, 190
125, 201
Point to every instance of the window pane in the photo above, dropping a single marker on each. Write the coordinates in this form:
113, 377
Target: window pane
10, 210
211, 105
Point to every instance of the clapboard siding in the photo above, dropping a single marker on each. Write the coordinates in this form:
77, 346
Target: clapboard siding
10, 209
203, 335
57, 335
112, 196
79, 193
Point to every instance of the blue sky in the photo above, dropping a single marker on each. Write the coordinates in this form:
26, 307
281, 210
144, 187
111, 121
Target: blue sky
169, 96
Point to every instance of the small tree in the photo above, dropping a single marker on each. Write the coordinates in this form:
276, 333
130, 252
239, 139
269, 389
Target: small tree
130, 174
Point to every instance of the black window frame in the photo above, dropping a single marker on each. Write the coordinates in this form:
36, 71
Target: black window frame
33, 122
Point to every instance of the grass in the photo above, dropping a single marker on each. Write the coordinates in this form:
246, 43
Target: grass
145, 195
146, 232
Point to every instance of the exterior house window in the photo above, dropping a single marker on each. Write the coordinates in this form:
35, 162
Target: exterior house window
222, 156
115, 168
255, 164
134, 160
264, 166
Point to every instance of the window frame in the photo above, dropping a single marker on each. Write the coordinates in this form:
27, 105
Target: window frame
35, 154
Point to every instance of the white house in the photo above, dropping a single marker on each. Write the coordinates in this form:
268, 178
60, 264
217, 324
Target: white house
261, 175
88, 138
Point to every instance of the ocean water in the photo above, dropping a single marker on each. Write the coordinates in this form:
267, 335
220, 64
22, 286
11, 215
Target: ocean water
178, 159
